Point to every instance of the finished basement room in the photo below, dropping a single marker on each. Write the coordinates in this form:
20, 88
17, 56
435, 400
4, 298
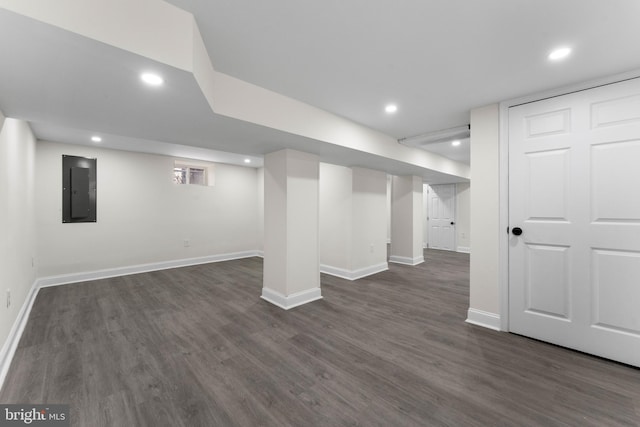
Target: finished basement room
319, 213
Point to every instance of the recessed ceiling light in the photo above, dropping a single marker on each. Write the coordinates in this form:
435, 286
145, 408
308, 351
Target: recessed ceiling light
96, 138
391, 108
151, 79
559, 53
455, 143
247, 160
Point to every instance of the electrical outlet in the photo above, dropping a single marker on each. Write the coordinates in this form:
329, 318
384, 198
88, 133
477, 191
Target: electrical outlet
8, 298
187, 243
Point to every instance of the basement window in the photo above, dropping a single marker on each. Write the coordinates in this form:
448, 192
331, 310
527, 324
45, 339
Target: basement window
183, 174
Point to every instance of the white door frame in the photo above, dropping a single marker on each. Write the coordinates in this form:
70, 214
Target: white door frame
503, 149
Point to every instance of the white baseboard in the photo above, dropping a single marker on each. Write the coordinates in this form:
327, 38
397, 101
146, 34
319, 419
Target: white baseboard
290, 301
406, 260
464, 249
354, 274
141, 268
11, 343
484, 319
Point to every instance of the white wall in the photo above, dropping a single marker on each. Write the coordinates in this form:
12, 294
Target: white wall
407, 220
426, 188
463, 216
353, 217
484, 204
335, 216
389, 179
260, 189
17, 235
142, 216
418, 215
369, 244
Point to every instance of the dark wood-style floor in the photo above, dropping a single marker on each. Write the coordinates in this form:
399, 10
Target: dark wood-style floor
196, 346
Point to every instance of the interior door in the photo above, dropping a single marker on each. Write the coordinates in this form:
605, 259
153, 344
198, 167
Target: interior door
441, 217
574, 270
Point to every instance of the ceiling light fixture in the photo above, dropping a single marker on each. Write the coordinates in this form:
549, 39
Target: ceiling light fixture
151, 79
391, 108
560, 53
455, 143
96, 138
247, 160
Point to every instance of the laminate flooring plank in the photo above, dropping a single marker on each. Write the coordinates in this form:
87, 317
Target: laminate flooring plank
157, 413
261, 355
240, 402
380, 413
330, 391
118, 409
371, 372
184, 393
27, 382
186, 336
619, 408
272, 396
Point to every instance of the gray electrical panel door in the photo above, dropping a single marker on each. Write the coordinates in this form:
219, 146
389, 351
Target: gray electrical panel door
78, 189
79, 193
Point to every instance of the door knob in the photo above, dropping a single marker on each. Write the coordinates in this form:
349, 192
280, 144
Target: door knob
452, 223
517, 231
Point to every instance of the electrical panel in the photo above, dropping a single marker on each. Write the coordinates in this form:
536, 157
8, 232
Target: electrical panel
78, 189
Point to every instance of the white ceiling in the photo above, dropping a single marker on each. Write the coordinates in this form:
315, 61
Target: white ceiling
435, 59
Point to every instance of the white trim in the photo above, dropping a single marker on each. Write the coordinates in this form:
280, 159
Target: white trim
503, 216
335, 271
260, 254
565, 90
141, 268
503, 249
484, 319
406, 260
354, 274
463, 249
11, 343
368, 271
290, 301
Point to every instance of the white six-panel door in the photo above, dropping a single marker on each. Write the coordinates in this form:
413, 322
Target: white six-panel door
441, 217
574, 190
